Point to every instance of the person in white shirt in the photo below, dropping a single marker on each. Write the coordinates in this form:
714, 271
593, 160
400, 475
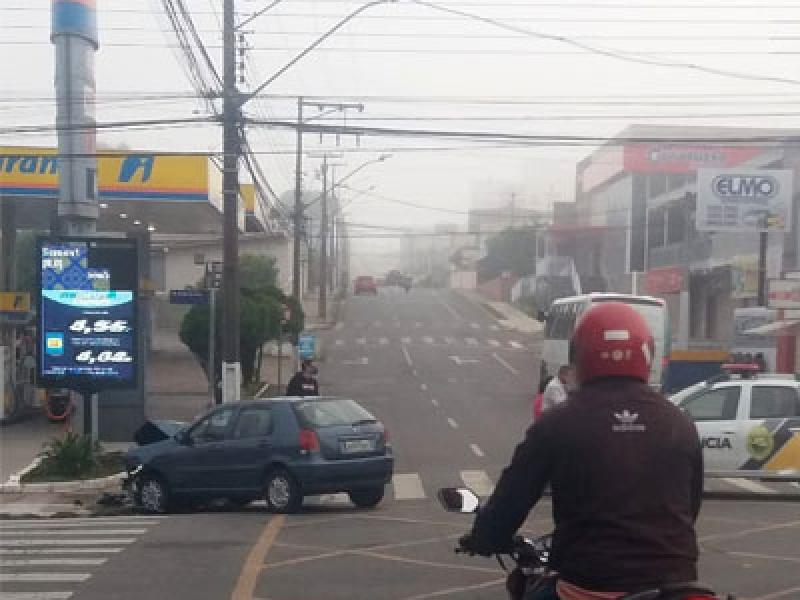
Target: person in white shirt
556, 391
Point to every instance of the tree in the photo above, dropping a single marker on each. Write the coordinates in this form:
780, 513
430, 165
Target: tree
260, 314
513, 250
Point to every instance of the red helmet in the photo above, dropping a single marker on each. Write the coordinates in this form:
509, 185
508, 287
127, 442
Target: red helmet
612, 340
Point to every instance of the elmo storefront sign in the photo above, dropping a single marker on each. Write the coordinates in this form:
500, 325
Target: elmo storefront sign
684, 158
744, 199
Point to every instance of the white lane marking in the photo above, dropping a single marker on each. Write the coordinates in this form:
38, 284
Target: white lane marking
476, 450
359, 361
324, 499
45, 562
427, 339
407, 356
405, 340
43, 577
471, 341
340, 342
383, 341
474, 325
418, 325
453, 312
435, 402
423, 387
81, 521
478, 482
750, 486
463, 361
361, 341
35, 595
449, 340
73, 532
516, 344
407, 486
47, 524
499, 359
452, 422
494, 343
17, 543
40, 551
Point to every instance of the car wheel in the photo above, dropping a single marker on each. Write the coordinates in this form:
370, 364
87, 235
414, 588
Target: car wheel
367, 497
152, 494
282, 492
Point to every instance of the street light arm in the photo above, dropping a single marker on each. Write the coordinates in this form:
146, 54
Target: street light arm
247, 97
340, 183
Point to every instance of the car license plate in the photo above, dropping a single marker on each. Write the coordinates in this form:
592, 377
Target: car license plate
355, 446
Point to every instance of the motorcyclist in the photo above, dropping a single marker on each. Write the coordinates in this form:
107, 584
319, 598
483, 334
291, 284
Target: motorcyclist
624, 466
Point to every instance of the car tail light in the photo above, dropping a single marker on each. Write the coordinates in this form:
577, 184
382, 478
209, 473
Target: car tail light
309, 442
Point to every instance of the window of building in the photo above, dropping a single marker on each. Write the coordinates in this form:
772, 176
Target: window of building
656, 184
655, 228
676, 223
677, 180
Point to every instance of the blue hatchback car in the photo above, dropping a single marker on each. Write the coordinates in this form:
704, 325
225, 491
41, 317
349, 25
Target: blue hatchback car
279, 450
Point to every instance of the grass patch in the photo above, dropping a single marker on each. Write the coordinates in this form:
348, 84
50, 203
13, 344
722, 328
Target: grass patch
74, 457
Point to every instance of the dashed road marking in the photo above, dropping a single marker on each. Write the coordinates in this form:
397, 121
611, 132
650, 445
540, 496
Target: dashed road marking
407, 486
494, 343
407, 356
418, 325
516, 344
405, 340
383, 341
361, 341
471, 341
435, 402
476, 450
428, 339
452, 422
478, 481
499, 359
423, 387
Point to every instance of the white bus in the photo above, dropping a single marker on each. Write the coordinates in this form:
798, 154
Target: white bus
564, 312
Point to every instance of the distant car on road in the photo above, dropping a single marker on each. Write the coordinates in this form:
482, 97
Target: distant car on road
365, 285
749, 424
280, 450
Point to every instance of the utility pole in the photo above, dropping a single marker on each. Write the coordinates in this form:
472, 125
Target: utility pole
298, 205
323, 246
231, 366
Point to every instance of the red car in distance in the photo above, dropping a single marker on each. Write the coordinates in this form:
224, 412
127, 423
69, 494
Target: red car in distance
365, 284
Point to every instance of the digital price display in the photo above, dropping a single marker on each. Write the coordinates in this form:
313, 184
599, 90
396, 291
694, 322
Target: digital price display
87, 312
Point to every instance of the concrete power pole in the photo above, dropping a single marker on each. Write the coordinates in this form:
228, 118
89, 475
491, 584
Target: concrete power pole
323, 245
297, 276
231, 366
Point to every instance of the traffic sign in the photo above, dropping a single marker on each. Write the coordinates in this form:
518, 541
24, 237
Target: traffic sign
188, 296
15, 303
307, 346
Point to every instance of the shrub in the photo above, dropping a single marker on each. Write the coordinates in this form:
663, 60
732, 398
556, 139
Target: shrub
71, 456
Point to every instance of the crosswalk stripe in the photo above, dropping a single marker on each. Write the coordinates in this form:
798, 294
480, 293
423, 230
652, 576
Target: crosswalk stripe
494, 327
47, 524
361, 341
43, 562
471, 341
406, 340
72, 532
340, 342
44, 551
18, 543
35, 595
407, 486
449, 340
77, 521
515, 344
418, 325
750, 486
494, 343
476, 450
383, 341
478, 482
43, 577
428, 339
474, 325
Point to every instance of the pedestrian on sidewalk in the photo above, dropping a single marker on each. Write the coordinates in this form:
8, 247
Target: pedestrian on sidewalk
556, 391
538, 399
304, 382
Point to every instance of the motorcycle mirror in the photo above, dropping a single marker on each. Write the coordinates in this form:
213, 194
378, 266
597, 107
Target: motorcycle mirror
461, 500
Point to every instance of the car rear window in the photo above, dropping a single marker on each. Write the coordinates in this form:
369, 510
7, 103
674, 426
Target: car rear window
330, 413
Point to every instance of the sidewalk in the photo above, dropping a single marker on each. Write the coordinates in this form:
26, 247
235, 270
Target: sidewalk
507, 316
21, 442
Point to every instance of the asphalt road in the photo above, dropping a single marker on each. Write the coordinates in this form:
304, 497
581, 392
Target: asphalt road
454, 389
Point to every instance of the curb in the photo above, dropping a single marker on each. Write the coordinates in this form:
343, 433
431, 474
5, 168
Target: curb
16, 487
751, 496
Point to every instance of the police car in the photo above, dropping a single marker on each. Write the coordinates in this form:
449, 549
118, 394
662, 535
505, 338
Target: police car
749, 423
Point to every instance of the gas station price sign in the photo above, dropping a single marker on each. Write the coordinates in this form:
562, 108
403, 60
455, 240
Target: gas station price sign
88, 312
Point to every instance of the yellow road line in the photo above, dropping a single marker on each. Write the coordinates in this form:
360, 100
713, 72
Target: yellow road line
248, 577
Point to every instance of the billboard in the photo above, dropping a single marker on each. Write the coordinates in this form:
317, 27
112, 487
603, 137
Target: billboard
684, 158
31, 171
88, 312
744, 199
